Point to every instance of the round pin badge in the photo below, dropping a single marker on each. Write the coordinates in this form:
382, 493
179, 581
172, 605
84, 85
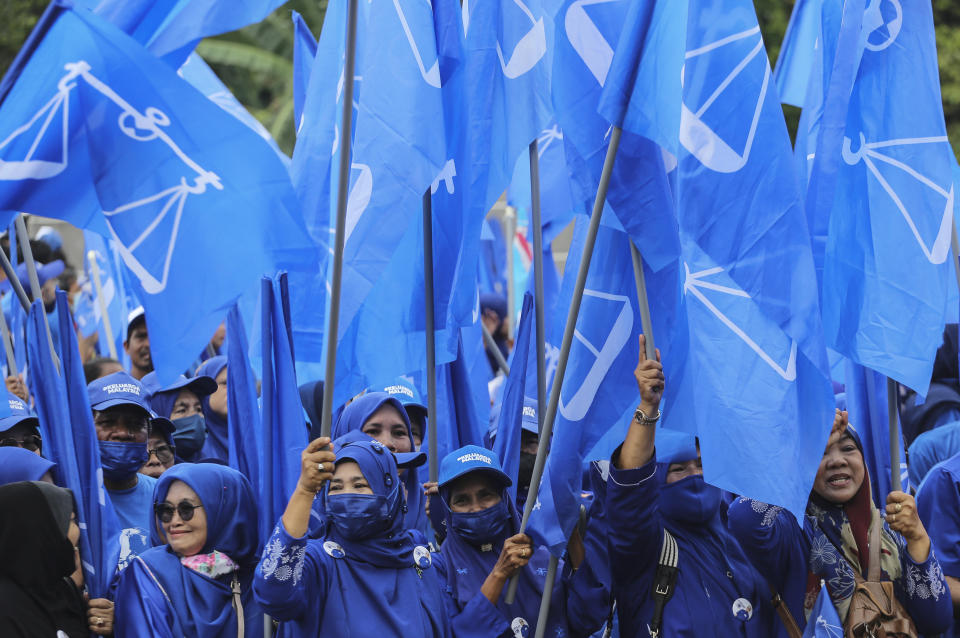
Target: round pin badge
333, 549
742, 609
520, 628
421, 556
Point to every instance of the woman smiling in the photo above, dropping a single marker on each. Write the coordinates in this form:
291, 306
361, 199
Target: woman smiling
196, 580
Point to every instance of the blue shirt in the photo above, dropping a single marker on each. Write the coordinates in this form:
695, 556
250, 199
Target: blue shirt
134, 509
938, 504
931, 447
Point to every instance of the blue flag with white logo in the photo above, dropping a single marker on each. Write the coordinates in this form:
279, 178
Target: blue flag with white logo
173, 28
587, 34
304, 52
152, 164
243, 409
71, 442
749, 288
824, 622
284, 429
507, 444
885, 272
866, 398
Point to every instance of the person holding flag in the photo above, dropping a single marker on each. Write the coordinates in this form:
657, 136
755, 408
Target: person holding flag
846, 540
659, 506
482, 553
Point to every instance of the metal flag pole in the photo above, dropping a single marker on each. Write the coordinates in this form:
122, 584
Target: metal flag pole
894, 435
101, 300
8, 346
494, 350
645, 321
429, 329
538, 280
509, 231
336, 276
24, 239
565, 345
14, 282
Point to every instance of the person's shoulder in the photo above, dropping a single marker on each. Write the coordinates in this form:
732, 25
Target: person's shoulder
146, 483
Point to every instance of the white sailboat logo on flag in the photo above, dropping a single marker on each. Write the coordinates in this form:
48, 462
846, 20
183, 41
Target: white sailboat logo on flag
128, 224
696, 284
875, 155
701, 138
529, 50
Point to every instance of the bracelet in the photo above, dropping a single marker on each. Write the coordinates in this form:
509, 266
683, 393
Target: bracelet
643, 419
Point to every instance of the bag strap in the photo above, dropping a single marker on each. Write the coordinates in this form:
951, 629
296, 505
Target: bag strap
664, 581
237, 604
873, 570
793, 629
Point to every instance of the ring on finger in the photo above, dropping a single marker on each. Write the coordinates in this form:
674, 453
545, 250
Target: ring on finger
899, 507
319, 467
893, 518
99, 622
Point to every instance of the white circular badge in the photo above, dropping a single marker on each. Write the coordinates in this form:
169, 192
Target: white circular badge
333, 549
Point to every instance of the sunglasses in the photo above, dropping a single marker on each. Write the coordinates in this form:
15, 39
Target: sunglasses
30, 442
164, 453
164, 511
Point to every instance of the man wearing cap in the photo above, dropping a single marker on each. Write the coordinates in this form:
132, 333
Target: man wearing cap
137, 345
21, 428
403, 390
122, 419
482, 552
181, 403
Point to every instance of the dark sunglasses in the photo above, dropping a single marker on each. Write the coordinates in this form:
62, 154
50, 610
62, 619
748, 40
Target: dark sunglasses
30, 442
164, 511
164, 453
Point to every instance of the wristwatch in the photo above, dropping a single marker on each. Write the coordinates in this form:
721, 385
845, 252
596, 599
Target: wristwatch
643, 419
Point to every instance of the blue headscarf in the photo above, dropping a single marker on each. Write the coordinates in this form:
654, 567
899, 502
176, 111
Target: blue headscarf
202, 604
392, 546
17, 464
216, 445
353, 418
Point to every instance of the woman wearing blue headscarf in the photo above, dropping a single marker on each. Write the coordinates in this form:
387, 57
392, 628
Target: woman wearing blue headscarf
368, 577
215, 408
482, 552
196, 580
382, 417
833, 544
652, 493
18, 464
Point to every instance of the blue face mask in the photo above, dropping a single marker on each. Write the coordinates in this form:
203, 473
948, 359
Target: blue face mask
690, 500
190, 435
359, 516
485, 526
121, 460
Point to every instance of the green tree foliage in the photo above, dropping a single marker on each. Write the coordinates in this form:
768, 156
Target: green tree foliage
18, 17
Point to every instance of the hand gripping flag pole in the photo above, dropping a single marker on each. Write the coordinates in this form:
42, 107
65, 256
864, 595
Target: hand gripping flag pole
336, 278
565, 346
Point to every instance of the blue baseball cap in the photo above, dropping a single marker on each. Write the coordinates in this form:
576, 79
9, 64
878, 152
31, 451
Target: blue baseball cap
116, 389
472, 458
403, 390
528, 418
20, 412
201, 385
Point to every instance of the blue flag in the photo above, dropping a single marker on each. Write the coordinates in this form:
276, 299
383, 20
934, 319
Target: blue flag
173, 28
885, 273
866, 396
823, 621
168, 168
507, 444
71, 442
749, 290
463, 401
201, 76
114, 297
798, 52
243, 410
586, 36
284, 426
304, 52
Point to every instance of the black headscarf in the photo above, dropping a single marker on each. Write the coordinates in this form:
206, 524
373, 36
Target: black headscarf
36, 560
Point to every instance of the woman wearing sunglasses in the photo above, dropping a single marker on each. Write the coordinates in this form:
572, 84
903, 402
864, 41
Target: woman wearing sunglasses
196, 580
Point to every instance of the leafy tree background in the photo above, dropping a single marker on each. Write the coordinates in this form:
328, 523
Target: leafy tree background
256, 62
